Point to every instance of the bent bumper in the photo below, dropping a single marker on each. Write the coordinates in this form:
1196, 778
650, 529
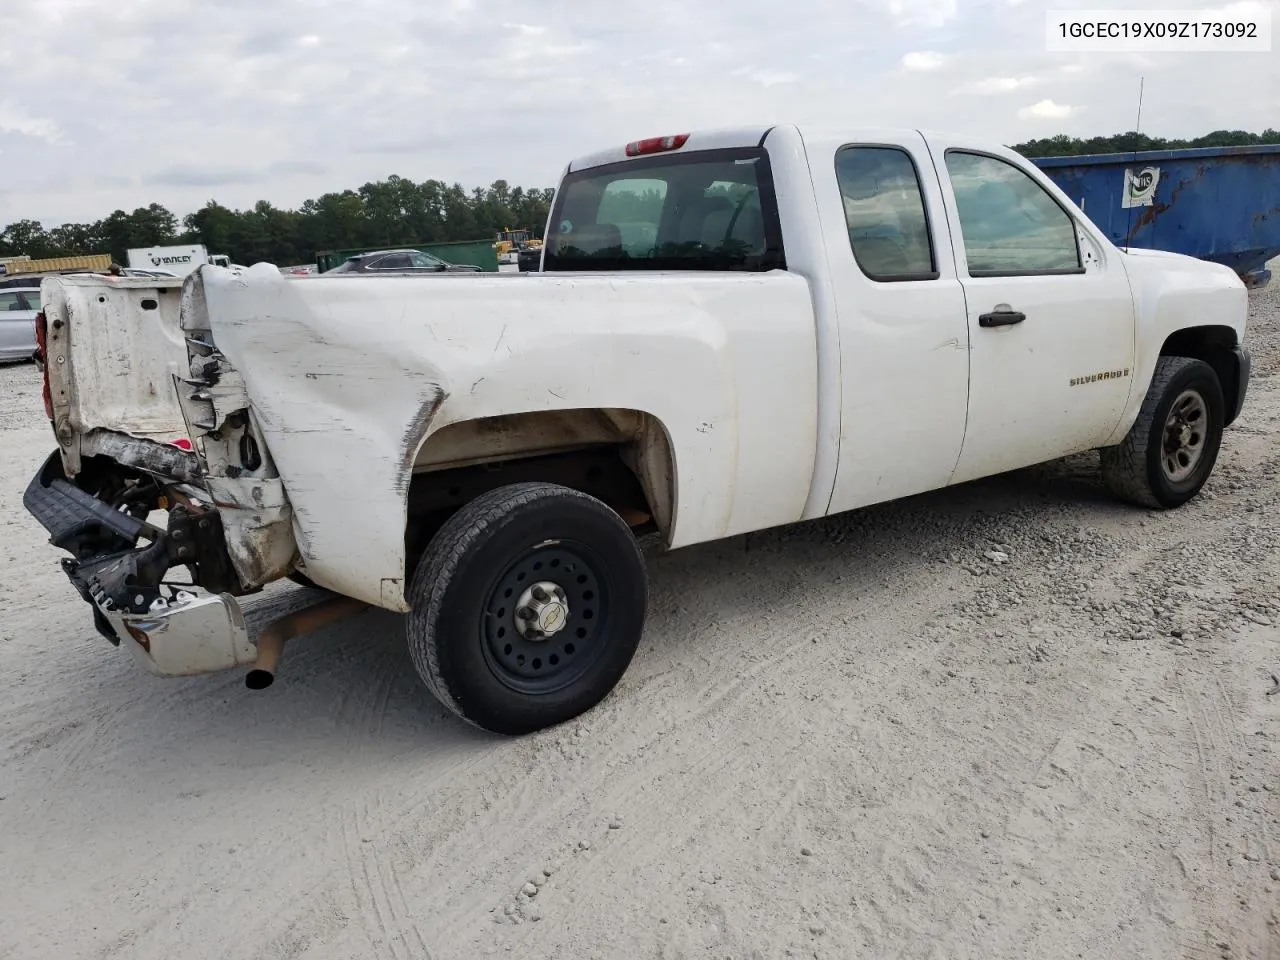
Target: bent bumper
179, 634
186, 636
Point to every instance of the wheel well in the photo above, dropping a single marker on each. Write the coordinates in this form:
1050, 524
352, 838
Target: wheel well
1213, 345
622, 457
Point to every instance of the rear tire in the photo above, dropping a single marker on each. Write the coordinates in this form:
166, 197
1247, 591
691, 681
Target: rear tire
1172, 447
574, 571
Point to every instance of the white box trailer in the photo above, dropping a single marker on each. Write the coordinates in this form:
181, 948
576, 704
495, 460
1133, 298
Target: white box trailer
178, 260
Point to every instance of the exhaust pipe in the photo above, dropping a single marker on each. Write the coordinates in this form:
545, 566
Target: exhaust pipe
272, 640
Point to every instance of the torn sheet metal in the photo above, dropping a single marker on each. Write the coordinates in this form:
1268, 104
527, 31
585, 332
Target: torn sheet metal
258, 525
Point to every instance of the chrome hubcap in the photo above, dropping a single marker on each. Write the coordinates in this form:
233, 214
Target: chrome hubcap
542, 611
1184, 436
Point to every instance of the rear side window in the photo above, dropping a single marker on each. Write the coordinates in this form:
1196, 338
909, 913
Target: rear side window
424, 261
708, 210
884, 210
13, 301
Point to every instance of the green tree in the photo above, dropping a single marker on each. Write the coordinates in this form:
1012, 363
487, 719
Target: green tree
26, 236
392, 212
1133, 141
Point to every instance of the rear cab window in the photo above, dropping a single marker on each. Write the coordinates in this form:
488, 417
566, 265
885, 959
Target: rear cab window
885, 212
704, 210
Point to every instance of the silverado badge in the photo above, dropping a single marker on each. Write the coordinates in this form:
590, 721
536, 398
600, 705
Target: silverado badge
1105, 375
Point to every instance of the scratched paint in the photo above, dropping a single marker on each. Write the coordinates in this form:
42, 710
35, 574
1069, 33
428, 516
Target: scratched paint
346, 403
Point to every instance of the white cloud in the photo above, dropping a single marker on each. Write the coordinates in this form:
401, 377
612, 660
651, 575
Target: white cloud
233, 100
1046, 110
1244, 9
999, 85
13, 119
772, 78
924, 13
923, 61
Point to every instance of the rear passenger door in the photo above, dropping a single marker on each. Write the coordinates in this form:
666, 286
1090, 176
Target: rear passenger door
904, 351
17, 327
1050, 314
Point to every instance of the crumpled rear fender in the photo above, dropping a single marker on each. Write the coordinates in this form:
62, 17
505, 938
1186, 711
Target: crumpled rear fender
349, 376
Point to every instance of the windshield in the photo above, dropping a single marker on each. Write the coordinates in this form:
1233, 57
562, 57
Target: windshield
709, 210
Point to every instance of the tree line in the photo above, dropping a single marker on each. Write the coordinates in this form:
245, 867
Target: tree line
398, 211
391, 212
1064, 146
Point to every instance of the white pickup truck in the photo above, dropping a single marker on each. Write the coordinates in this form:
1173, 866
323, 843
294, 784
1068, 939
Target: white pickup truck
731, 331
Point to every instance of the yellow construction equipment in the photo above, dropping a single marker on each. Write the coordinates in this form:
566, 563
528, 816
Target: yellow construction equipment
510, 242
89, 261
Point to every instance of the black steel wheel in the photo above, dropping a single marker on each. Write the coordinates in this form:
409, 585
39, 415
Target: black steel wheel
527, 607
1172, 447
547, 618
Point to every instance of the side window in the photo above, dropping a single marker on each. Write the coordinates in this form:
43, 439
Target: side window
10, 301
1010, 224
393, 261
884, 210
635, 207
421, 261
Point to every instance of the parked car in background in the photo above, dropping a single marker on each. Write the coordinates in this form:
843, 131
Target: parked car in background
384, 262
32, 280
18, 309
529, 259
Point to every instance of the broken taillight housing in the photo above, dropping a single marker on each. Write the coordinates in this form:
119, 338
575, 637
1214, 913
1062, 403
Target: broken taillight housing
42, 340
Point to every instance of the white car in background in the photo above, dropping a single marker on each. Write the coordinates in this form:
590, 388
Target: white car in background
18, 309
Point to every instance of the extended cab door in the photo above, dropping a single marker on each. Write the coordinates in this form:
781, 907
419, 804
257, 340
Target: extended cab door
1050, 313
903, 341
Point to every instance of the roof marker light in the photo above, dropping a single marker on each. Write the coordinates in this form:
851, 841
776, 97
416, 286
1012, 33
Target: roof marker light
639, 148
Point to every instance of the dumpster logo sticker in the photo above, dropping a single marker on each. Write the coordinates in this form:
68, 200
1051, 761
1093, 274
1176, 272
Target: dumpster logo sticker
1140, 187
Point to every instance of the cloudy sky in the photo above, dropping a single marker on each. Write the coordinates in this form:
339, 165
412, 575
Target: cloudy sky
117, 103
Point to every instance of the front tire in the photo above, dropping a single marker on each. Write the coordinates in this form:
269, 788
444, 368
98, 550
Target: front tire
1172, 447
527, 607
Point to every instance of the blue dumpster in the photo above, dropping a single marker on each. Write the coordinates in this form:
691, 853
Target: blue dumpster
1215, 203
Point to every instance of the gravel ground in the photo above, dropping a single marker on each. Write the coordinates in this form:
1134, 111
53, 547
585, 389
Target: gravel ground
1008, 720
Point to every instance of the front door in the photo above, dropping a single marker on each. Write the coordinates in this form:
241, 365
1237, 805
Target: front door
1050, 314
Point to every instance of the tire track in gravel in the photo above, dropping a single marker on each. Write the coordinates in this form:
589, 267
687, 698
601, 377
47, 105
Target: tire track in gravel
1215, 738
375, 885
721, 704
